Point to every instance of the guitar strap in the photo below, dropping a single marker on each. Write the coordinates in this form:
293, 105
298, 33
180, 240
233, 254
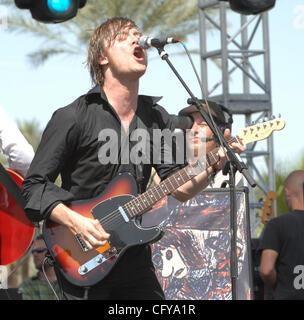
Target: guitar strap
11, 186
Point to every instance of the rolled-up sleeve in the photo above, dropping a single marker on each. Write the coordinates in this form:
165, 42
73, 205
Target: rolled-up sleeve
58, 142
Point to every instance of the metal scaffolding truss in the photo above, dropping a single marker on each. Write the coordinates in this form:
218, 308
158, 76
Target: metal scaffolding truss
251, 67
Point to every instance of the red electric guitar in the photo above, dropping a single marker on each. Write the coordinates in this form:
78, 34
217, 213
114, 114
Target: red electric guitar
16, 230
118, 208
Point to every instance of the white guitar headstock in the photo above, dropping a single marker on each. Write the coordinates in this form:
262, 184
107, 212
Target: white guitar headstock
260, 131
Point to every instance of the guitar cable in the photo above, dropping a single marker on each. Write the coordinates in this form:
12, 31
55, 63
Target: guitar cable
48, 281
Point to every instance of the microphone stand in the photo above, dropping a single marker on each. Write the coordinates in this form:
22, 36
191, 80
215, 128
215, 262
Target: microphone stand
232, 165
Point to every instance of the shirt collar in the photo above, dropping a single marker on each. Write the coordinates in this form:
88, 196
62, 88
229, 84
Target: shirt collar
98, 89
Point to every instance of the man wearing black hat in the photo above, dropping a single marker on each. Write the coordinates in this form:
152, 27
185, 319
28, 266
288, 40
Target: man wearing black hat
200, 139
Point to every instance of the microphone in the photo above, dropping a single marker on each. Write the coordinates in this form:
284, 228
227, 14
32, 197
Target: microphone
181, 122
148, 42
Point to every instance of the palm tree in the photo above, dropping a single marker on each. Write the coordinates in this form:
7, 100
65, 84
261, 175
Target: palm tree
175, 17
31, 131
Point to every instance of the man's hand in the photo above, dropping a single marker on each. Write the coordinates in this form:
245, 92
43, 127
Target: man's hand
90, 230
239, 148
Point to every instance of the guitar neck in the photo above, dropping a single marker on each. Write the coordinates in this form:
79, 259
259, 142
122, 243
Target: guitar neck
146, 200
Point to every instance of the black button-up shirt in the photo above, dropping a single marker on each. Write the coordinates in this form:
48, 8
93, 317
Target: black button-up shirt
71, 147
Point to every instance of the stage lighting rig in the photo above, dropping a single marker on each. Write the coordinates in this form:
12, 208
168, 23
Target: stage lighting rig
248, 7
51, 11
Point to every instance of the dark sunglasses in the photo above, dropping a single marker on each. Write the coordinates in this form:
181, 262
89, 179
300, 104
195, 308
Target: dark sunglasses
39, 250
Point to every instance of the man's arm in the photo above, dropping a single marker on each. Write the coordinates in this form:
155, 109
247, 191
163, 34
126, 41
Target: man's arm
267, 268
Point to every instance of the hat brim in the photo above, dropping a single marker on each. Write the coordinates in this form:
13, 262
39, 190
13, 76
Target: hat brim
215, 109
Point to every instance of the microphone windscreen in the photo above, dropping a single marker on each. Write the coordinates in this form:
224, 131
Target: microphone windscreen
182, 122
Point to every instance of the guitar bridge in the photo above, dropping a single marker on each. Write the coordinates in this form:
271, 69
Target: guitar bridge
96, 261
81, 243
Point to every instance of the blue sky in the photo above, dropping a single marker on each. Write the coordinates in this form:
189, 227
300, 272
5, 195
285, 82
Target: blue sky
27, 92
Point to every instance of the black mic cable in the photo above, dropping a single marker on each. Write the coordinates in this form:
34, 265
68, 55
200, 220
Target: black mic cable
204, 94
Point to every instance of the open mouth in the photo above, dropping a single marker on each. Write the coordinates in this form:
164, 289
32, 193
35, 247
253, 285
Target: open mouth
138, 53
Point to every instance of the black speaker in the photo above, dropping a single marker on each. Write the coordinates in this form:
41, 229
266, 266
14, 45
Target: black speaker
248, 7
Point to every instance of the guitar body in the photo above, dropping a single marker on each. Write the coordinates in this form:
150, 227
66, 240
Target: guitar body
16, 230
86, 268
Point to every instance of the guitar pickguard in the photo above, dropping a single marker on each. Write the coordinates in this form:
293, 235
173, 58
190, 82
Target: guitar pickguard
87, 267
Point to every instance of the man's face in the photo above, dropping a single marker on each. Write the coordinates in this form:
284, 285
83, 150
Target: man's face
39, 251
197, 135
125, 59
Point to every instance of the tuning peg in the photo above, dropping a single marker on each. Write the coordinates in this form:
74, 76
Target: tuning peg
272, 117
279, 116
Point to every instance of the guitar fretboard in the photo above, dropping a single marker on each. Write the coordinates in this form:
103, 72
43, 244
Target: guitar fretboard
146, 200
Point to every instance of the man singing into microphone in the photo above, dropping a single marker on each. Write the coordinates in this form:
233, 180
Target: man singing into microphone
70, 147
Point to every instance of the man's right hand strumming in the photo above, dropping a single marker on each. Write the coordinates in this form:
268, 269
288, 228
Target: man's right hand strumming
90, 230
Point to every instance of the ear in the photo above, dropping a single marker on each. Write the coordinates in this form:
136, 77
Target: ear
227, 134
103, 60
287, 192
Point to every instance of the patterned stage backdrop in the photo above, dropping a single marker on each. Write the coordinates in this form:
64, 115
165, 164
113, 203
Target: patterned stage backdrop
192, 259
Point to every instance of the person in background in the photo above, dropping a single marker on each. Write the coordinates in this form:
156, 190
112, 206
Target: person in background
14, 146
201, 137
282, 244
43, 285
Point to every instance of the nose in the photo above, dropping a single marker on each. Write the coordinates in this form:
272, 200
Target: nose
195, 129
135, 37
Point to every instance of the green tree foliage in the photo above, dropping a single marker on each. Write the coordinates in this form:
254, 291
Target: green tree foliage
31, 131
157, 17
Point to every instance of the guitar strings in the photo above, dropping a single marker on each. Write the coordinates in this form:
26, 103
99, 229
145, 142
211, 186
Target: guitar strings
114, 217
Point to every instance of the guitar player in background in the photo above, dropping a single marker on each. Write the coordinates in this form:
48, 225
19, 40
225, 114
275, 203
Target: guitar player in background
14, 146
201, 137
282, 244
71, 145
19, 154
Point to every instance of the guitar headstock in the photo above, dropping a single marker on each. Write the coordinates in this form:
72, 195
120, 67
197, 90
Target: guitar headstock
268, 210
260, 131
